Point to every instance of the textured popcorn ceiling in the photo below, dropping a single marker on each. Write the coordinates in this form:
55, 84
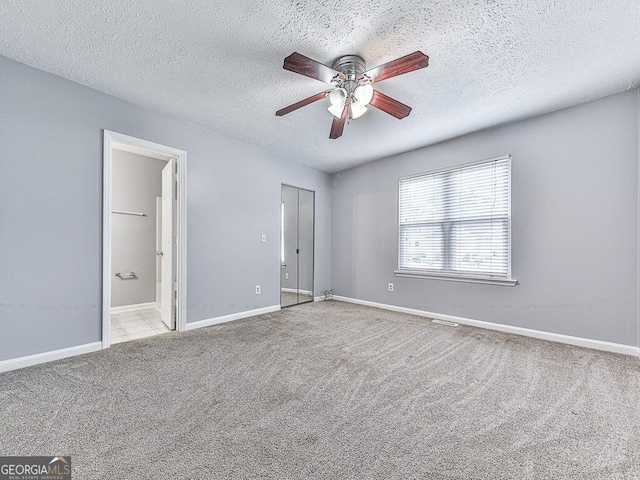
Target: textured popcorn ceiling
218, 64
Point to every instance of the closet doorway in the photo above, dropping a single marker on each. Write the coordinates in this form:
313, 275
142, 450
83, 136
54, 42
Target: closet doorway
297, 224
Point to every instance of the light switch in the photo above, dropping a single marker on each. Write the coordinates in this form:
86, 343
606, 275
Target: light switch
264, 237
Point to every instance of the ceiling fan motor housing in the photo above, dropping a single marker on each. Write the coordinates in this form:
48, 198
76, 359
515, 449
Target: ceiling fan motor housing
351, 66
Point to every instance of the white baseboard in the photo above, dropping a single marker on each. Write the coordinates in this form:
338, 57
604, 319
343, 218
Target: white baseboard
527, 332
28, 361
229, 318
131, 308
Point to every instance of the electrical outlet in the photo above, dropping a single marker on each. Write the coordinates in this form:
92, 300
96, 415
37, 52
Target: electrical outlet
391, 287
286, 276
264, 237
257, 289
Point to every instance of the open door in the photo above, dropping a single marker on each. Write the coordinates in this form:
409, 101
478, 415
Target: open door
167, 288
168, 241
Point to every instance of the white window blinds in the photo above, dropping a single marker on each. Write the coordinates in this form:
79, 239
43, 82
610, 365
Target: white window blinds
456, 222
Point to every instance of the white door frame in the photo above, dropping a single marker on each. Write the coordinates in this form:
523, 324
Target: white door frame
136, 145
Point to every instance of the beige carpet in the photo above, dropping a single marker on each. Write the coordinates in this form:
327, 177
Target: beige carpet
331, 390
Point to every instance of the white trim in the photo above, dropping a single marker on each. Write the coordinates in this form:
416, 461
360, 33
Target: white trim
107, 160
132, 308
229, 318
319, 299
504, 282
181, 270
136, 145
527, 332
638, 233
28, 361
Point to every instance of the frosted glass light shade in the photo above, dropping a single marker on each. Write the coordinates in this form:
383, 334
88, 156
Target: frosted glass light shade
364, 93
338, 97
357, 109
336, 110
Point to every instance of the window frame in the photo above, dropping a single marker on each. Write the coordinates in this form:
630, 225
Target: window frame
450, 276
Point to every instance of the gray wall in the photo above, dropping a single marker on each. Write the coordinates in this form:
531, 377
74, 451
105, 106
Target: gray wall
137, 181
574, 228
51, 212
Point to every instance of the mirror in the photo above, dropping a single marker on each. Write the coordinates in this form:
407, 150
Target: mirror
296, 245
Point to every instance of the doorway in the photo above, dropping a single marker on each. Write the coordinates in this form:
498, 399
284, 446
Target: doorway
143, 239
297, 227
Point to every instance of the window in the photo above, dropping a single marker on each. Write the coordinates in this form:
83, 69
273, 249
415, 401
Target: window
456, 223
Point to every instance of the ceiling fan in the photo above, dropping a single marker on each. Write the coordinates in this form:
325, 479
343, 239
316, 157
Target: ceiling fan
351, 85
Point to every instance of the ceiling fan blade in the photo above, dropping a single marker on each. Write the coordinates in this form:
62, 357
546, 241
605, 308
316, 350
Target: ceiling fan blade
337, 126
301, 103
298, 63
389, 105
406, 64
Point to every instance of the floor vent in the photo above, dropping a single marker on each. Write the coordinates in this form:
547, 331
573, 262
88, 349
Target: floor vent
444, 322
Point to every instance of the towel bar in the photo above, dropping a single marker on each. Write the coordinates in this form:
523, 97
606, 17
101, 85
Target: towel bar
137, 214
126, 276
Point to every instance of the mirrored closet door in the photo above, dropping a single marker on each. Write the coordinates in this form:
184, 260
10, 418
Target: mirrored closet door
296, 245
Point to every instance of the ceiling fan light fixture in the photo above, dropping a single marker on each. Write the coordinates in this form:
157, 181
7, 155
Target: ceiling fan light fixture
338, 97
364, 93
350, 85
336, 110
357, 109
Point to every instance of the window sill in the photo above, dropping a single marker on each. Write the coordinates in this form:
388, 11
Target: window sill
456, 278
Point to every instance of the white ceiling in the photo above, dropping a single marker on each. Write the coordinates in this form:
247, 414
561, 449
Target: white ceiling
218, 64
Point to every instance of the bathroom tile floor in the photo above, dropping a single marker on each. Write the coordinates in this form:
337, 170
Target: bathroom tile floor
127, 326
